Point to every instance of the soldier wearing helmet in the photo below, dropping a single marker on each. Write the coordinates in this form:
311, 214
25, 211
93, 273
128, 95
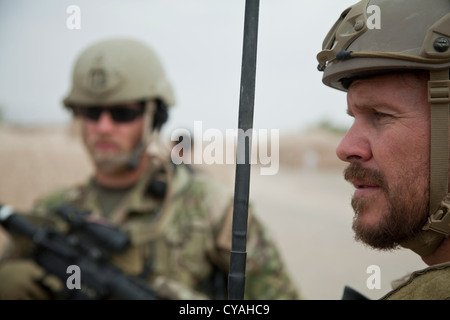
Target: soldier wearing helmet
178, 219
397, 81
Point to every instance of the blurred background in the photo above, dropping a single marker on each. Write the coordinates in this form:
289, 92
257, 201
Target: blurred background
200, 44
306, 204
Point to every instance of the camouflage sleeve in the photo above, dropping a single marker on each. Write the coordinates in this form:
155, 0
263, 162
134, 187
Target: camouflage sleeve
43, 205
267, 277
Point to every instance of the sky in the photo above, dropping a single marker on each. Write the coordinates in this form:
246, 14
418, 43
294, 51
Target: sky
200, 45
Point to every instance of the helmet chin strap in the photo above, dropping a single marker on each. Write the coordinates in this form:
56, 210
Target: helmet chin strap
437, 227
147, 132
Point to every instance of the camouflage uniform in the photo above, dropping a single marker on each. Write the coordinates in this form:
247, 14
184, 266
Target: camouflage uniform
183, 242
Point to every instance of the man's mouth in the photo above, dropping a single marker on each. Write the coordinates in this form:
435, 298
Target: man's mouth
366, 181
364, 188
105, 146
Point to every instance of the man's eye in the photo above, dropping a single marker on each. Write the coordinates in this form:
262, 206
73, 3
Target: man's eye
380, 114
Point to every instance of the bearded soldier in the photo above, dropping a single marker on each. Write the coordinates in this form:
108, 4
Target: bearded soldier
396, 75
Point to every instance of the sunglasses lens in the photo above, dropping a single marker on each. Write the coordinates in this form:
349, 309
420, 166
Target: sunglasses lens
91, 113
123, 114
118, 114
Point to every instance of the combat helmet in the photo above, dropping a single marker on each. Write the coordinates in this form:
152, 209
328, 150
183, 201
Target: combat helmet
117, 70
409, 35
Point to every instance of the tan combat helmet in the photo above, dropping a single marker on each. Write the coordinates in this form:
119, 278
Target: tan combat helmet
410, 35
118, 70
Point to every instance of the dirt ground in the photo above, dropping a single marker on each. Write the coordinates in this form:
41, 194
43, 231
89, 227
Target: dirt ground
306, 204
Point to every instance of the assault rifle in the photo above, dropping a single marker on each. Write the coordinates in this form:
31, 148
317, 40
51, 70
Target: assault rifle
88, 245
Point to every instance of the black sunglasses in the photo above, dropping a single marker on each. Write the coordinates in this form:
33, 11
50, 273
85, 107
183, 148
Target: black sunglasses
118, 114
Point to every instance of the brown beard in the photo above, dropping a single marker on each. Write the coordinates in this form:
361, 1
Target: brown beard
406, 213
105, 162
112, 164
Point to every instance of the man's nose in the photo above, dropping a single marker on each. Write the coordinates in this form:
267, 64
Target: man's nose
105, 121
354, 146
